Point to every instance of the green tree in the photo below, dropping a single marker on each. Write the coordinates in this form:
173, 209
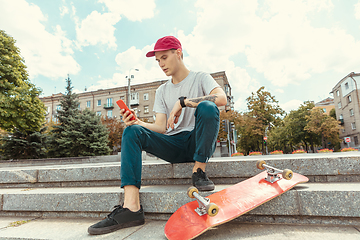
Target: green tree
325, 126
77, 133
279, 139
20, 107
333, 113
20, 145
250, 131
60, 143
88, 135
263, 112
295, 124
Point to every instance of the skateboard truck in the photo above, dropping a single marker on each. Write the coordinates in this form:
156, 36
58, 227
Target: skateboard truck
273, 174
205, 206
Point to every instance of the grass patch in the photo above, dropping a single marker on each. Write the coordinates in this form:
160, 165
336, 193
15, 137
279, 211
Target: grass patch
18, 223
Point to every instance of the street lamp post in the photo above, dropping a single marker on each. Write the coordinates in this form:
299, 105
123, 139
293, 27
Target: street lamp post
129, 78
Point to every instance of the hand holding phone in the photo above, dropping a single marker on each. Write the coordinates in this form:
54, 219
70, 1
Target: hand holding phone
122, 105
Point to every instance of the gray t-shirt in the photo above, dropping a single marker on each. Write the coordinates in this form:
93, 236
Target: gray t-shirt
196, 84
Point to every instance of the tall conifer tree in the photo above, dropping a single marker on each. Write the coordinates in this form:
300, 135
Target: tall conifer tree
78, 133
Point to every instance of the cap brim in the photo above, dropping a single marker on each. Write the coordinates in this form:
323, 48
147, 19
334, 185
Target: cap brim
152, 53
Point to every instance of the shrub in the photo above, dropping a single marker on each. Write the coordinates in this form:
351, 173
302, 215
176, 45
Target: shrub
325, 150
298, 151
350, 149
237, 154
255, 153
277, 152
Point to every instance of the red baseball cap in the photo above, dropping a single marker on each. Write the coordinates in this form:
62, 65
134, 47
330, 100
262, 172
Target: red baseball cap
165, 43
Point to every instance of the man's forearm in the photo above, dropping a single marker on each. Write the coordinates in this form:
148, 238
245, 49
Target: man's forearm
215, 98
153, 127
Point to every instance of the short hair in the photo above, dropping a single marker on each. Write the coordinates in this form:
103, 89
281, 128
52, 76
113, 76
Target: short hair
182, 54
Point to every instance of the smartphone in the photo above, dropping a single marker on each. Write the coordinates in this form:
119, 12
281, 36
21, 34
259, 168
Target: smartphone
122, 105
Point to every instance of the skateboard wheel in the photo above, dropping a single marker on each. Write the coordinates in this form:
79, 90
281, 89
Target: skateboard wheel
260, 164
212, 209
287, 174
191, 190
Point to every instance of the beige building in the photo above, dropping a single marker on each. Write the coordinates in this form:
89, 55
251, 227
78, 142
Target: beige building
142, 96
326, 105
346, 99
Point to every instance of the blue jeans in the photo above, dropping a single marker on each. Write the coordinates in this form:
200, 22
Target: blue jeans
197, 145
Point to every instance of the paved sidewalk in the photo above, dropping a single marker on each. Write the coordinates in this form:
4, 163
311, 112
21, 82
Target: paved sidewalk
77, 229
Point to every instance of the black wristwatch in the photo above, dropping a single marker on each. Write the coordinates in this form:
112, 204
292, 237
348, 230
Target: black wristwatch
182, 103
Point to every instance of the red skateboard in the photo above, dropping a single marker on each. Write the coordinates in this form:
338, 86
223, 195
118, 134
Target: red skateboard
196, 217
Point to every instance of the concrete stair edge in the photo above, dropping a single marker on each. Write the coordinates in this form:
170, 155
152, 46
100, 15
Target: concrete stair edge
319, 168
306, 201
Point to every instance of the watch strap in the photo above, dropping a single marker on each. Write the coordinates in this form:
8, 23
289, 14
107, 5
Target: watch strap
182, 102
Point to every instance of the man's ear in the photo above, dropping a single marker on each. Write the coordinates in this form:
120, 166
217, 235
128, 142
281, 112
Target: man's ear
178, 52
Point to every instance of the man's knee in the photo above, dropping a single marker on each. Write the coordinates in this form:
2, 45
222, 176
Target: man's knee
132, 131
207, 109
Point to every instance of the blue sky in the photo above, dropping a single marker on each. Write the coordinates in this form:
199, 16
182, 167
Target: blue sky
297, 49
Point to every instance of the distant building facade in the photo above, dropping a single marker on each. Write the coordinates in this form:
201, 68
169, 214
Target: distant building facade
326, 105
346, 100
142, 97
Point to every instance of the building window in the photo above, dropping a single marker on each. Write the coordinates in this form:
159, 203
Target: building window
226, 89
324, 109
98, 113
351, 112
79, 107
339, 105
346, 85
337, 93
349, 99
88, 104
99, 102
122, 98
135, 96
146, 109
58, 107
353, 126
109, 114
109, 102
356, 141
146, 96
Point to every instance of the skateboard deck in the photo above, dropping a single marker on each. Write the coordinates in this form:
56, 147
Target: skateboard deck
233, 202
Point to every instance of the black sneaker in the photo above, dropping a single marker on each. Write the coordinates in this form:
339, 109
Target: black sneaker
119, 218
201, 181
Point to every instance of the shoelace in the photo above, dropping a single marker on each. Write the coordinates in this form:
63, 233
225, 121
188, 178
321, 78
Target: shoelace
117, 208
202, 174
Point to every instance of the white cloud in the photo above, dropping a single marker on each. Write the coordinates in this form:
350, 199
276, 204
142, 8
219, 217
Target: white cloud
291, 105
134, 10
357, 10
97, 28
63, 10
45, 53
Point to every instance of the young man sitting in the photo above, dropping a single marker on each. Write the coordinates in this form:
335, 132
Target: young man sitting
185, 130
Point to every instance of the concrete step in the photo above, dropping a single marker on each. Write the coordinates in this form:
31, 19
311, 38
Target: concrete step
327, 167
320, 203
